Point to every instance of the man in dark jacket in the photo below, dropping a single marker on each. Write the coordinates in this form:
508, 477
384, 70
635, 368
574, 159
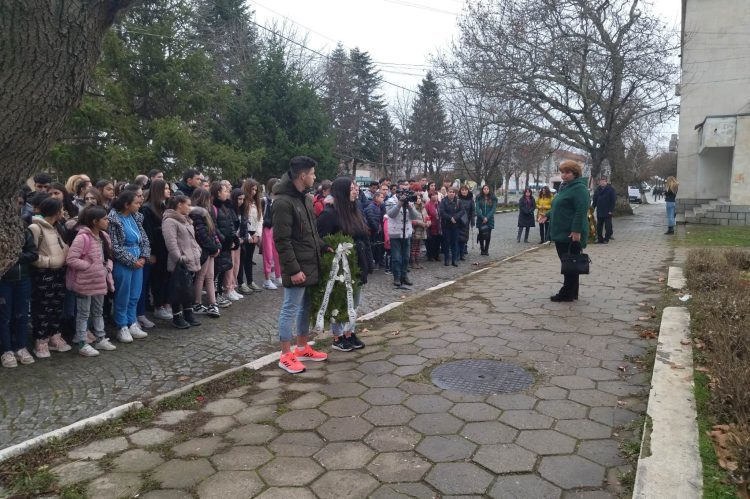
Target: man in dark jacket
191, 180
604, 203
300, 247
374, 218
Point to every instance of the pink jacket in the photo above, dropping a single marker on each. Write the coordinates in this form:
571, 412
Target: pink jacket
87, 273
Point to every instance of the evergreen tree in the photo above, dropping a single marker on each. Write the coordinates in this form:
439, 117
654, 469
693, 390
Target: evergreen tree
429, 128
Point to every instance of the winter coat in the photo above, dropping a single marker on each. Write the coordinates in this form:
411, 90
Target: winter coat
569, 212
328, 224
49, 243
543, 206
241, 224
89, 273
448, 210
604, 201
399, 226
374, 218
179, 238
319, 204
117, 235
225, 224
295, 234
485, 209
152, 225
184, 189
526, 209
468, 205
29, 255
206, 239
418, 224
433, 211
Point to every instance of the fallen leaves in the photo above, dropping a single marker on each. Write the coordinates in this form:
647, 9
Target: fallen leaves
395, 333
183, 378
723, 437
648, 334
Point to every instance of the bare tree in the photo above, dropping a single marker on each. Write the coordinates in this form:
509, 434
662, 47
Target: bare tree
589, 70
48, 49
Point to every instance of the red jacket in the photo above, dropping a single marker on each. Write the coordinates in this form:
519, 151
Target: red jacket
432, 211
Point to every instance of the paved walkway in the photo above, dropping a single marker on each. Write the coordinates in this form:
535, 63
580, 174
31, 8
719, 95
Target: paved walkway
372, 424
66, 388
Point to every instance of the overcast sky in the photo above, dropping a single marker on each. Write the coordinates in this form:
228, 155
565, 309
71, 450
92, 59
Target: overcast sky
400, 35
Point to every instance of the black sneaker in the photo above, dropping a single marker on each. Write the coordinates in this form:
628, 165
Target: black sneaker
213, 311
179, 321
397, 283
342, 344
187, 314
355, 342
200, 309
406, 281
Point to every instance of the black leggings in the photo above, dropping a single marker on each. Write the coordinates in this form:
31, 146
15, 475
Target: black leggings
484, 244
47, 297
544, 231
570, 281
245, 273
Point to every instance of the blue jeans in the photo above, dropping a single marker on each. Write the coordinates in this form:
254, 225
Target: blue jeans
89, 307
400, 249
450, 244
15, 298
296, 308
670, 214
128, 283
337, 329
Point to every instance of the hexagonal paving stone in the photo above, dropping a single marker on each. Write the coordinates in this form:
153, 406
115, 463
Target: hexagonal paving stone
78, 471
290, 471
392, 438
459, 478
98, 449
407, 360
425, 404
169, 418
253, 434
230, 484
114, 485
612, 416
257, 413
604, 452
505, 458
489, 433
584, 429
551, 393
597, 374
546, 442
512, 401
381, 380
150, 436
241, 458
446, 448
526, 420
384, 396
297, 444
346, 407
302, 419
344, 455
182, 474
219, 424
475, 411
436, 424
571, 472
388, 415
286, 493
398, 467
562, 409
166, 494
204, 447
337, 484
376, 367
307, 401
136, 461
224, 407
523, 487
338, 429
431, 343
572, 382
340, 390
462, 397
593, 398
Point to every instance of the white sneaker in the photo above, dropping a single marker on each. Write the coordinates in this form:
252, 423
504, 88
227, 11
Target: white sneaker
88, 351
136, 331
244, 288
163, 314
123, 335
279, 281
104, 344
222, 301
268, 284
234, 296
144, 322
255, 287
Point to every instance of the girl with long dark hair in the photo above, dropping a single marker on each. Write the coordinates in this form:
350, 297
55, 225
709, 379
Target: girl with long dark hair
343, 216
239, 222
543, 205
208, 240
225, 230
107, 191
270, 255
451, 213
253, 221
526, 207
155, 272
485, 209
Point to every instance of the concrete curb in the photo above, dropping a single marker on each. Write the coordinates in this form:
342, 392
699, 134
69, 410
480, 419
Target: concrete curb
670, 464
42, 439
676, 279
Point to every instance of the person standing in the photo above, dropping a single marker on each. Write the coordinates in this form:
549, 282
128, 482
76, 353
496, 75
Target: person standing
432, 207
400, 213
155, 270
254, 223
421, 225
223, 218
543, 205
451, 213
207, 238
466, 198
604, 203
374, 218
299, 252
670, 194
526, 208
191, 180
270, 255
485, 209
569, 223
130, 251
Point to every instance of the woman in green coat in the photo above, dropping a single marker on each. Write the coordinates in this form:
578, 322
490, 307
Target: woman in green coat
568, 222
486, 207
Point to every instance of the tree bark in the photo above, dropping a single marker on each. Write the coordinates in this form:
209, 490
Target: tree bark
48, 48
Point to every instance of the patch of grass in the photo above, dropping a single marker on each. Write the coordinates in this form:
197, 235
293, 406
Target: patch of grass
140, 416
147, 485
30, 481
715, 479
627, 481
75, 491
715, 236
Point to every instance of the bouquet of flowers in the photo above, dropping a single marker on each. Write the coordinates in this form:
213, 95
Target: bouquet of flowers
338, 281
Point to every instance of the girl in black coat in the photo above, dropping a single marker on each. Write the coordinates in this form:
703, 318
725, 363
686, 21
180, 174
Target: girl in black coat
466, 197
452, 217
208, 240
345, 217
224, 219
526, 208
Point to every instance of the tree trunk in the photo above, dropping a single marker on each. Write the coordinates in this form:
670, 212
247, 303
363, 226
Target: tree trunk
47, 50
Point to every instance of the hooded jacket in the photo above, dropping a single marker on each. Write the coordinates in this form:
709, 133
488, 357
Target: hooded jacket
89, 274
50, 245
295, 233
179, 239
207, 240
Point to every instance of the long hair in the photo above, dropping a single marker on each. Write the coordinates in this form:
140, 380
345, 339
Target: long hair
270, 185
156, 198
235, 196
349, 217
247, 187
67, 200
93, 192
672, 184
545, 193
202, 198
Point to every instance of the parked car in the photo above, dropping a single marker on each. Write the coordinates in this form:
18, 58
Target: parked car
634, 194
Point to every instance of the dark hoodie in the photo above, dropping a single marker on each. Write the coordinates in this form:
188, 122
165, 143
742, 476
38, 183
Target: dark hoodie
467, 203
184, 189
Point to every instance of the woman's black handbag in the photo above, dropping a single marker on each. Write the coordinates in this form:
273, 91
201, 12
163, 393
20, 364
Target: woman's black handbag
574, 264
181, 285
484, 233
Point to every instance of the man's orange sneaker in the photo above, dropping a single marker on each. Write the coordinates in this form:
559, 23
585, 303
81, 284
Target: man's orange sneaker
309, 354
288, 362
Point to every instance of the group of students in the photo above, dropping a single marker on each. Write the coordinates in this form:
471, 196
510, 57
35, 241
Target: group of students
112, 250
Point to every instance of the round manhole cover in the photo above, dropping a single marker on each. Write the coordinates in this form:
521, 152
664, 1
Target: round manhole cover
481, 377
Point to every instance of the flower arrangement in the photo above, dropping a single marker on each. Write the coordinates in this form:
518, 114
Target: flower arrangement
337, 306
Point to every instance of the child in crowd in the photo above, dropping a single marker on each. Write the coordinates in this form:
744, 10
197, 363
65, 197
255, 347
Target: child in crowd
270, 255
